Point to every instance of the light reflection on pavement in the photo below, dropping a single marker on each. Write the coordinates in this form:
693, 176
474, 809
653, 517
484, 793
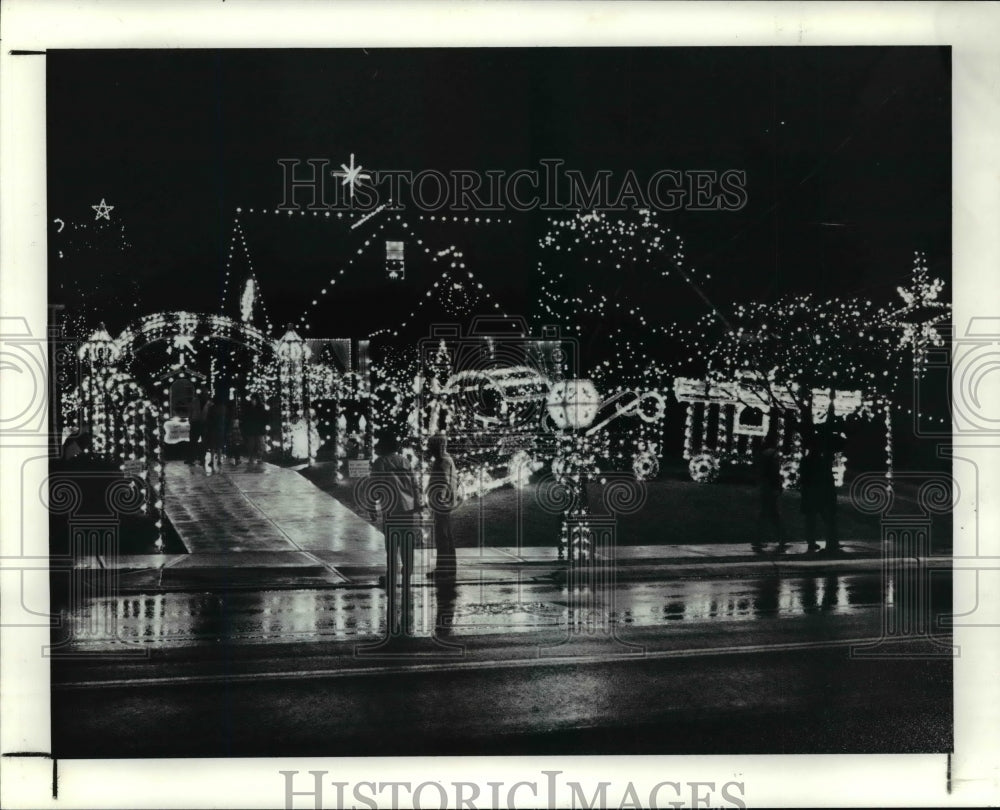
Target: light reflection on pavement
468, 609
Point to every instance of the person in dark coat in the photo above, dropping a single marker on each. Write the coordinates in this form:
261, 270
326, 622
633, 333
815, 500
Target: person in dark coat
254, 427
196, 422
234, 432
769, 488
215, 431
442, 498
398, 506
819, 493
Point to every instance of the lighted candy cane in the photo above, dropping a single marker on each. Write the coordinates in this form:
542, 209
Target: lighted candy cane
631, 407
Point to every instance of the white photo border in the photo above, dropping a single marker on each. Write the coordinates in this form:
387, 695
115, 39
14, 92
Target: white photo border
970, 776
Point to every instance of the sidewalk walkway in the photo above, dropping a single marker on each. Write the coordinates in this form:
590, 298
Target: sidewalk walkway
268, 527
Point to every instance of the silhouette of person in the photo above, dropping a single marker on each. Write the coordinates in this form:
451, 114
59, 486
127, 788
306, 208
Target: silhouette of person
215, 430
442, 498
399, 525
769, 493
196, 421
254, 428
819, 494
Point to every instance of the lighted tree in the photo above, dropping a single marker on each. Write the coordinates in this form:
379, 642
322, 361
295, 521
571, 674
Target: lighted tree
624, 339
783, 350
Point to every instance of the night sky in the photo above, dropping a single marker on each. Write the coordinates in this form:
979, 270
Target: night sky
846, 150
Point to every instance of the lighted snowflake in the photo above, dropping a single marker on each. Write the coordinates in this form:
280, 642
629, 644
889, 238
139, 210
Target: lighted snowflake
922, 313
352, 175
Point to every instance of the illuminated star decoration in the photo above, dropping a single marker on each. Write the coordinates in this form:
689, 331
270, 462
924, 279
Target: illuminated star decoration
103, 210
182, 343
922, 313
352, 175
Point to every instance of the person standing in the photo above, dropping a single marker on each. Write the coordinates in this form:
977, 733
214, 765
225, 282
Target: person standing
819, 493
769, 494
442, 497
254, 423
234, 433
196, 422
215, 431
398, 494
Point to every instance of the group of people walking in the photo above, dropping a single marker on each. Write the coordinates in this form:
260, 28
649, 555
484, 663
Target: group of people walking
222, 429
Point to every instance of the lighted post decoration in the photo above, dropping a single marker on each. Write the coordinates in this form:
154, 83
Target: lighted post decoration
293, 354
572, 406
142, 455
340, 446
100, 354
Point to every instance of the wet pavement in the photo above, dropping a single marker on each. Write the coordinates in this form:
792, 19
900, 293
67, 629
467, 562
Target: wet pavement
260, 507
184, 619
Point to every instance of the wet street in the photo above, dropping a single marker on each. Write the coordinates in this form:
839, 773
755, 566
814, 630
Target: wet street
763, 664
470, 608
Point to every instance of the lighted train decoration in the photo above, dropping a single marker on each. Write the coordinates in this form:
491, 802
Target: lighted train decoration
725, 422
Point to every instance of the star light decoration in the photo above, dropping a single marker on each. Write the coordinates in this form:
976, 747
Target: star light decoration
98, 267
922, 313
103, 210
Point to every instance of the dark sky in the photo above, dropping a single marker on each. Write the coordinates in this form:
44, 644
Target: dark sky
846, 150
